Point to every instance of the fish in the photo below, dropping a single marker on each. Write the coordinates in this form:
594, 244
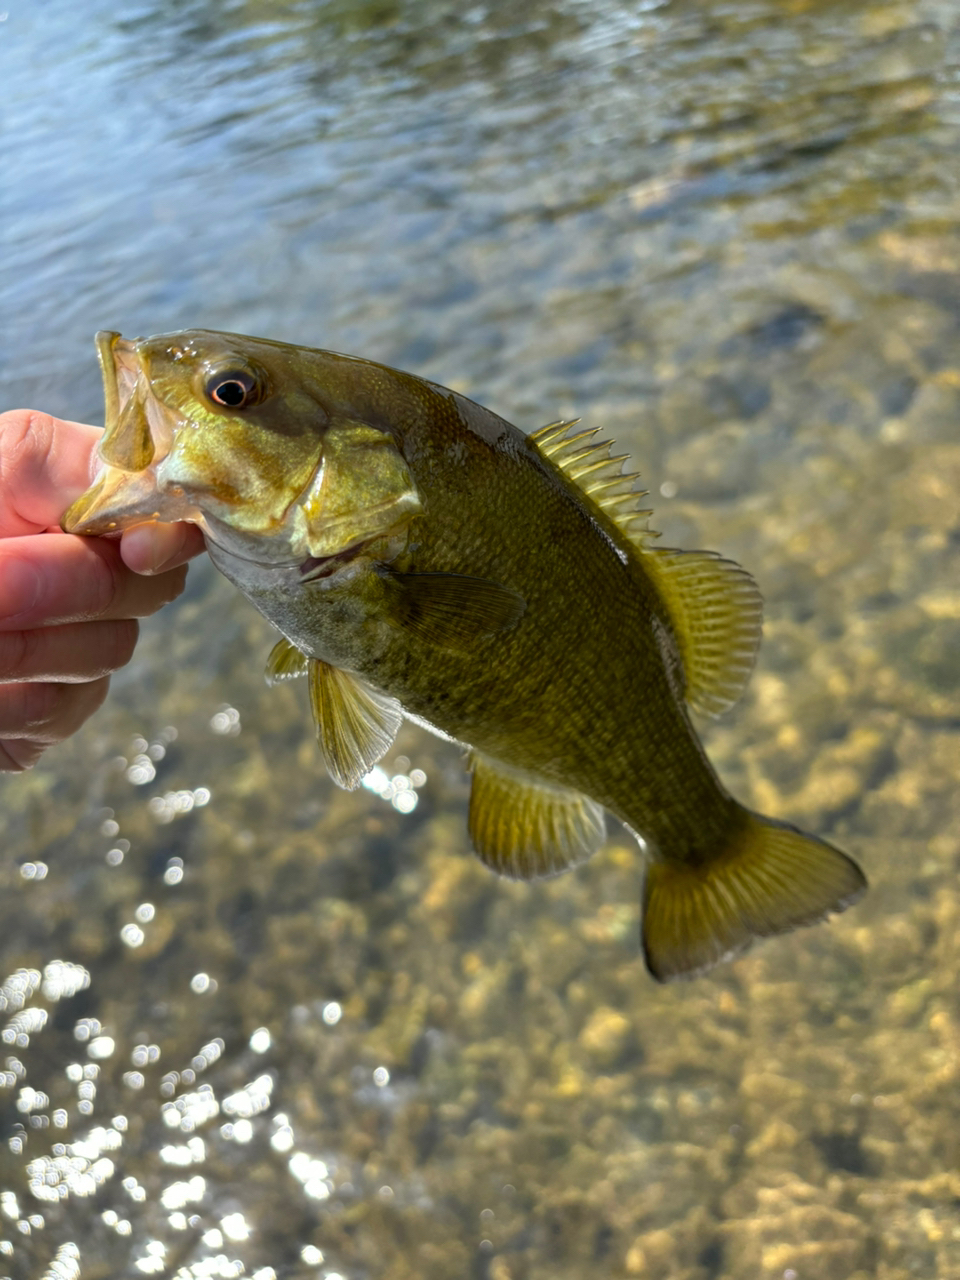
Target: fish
423, 558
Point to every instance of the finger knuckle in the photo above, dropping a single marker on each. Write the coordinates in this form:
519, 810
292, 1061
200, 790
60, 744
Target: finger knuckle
16, 650
105, 578
50, 712
174, 582
26, 438
119, 644
157, 591
17, 755
92, 698
30, 710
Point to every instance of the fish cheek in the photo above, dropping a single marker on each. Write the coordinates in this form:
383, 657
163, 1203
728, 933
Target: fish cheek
249, 478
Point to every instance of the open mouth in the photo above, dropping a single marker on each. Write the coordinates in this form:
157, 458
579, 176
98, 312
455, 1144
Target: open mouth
138, 435
124, 493
139, 429
120, 367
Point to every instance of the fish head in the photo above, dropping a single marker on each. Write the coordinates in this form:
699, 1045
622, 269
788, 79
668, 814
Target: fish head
252, 440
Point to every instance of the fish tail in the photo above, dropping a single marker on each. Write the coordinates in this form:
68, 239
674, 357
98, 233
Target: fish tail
770, 879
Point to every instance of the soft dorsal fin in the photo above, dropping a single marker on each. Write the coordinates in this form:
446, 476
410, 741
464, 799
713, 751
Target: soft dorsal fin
717, 615
523, 827
356, 724
714, 605
285, 662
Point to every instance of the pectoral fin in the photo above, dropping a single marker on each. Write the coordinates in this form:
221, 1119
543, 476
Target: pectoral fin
523, 827
356, 724
450, 609
285, 662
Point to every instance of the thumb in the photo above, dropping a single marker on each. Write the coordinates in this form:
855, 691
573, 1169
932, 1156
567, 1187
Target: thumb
155, 548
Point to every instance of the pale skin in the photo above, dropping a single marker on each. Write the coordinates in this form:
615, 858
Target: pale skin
68, 606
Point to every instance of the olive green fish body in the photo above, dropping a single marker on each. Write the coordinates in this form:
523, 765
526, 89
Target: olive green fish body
579, 691
423, 557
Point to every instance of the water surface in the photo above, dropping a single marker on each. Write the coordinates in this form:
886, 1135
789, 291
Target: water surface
257, 1026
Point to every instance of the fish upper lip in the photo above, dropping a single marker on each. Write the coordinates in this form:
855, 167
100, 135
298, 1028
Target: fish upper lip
115, 353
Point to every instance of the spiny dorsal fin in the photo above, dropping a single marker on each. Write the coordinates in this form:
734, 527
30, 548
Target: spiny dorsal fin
523, 827
285, 662
717, 615
714, 605
356, 724
589, 464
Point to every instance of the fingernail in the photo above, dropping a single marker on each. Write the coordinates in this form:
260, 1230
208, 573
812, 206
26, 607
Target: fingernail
140, 549
21, 585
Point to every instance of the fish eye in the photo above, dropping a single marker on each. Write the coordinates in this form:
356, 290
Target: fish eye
233, 390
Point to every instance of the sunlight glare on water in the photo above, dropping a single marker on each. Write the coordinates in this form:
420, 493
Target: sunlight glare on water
253, 1025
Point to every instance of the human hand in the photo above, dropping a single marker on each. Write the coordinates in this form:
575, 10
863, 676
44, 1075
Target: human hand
68, 605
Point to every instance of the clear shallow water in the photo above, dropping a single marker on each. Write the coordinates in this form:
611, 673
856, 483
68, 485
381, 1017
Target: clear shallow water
728, 234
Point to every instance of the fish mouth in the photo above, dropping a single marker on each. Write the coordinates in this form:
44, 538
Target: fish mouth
139, 428
138, 433
166, 457
120, 368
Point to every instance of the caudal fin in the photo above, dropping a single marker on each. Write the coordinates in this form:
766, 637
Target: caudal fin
772, 879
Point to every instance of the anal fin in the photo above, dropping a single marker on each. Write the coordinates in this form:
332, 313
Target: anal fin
356, 724
523, 827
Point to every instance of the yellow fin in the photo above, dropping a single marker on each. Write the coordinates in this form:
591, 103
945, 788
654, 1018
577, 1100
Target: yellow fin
523, 827
589, 464
356, 724
285, 662
772, 879
714, 605
450, 609
717, 615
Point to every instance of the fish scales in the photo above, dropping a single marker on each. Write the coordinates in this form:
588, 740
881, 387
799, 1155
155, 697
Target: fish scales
421, 556
550, 693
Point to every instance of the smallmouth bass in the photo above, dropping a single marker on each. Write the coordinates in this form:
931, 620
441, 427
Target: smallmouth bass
422, 557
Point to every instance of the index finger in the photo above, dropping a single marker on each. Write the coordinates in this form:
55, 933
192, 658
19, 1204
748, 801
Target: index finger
45, 463
57, 578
